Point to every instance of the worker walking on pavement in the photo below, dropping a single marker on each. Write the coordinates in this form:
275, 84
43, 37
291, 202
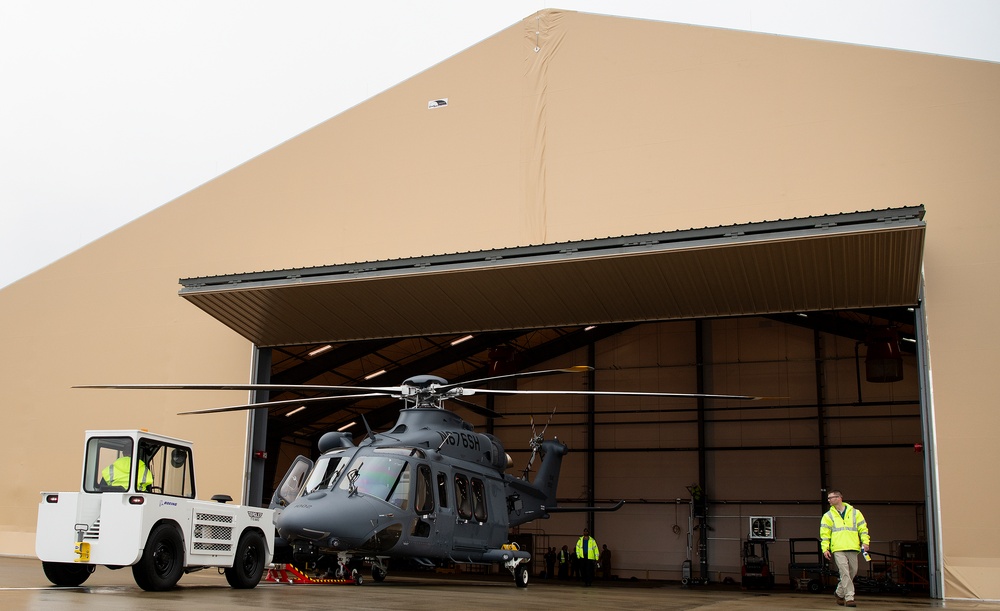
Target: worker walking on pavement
843, 533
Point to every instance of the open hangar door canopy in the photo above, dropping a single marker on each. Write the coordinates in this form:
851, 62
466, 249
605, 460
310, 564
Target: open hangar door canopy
545, 298
836, 262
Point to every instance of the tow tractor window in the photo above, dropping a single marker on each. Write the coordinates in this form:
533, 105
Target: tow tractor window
108, 466
117, 464
169, 469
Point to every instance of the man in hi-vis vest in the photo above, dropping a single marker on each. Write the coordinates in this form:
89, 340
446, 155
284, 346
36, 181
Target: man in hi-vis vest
588, 554
843, 533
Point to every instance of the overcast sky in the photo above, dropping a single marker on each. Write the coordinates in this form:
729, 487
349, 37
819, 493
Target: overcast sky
111, 109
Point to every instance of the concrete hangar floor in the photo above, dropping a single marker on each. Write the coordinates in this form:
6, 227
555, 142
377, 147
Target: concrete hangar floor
24, 587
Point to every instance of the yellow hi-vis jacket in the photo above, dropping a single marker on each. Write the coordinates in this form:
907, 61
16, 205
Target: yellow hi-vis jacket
591, 553
119, 472
843, 534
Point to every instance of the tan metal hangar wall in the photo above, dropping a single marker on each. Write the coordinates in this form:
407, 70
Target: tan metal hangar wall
594, 126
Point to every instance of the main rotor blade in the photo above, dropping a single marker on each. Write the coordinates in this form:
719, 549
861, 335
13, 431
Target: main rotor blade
282, 387
616, 393
523, 374
249, 406
479, 409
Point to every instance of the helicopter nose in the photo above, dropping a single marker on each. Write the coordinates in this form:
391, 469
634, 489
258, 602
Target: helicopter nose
302, 520
329, 522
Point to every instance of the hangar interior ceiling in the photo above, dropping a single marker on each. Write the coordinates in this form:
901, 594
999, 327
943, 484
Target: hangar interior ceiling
461, 357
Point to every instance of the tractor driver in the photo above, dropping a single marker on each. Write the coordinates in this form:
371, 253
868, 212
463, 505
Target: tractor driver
116, 475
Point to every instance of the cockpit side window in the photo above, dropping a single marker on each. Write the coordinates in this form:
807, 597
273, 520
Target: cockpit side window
400, 495
325, 473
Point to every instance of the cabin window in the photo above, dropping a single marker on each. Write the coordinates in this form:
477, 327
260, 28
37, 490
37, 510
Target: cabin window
479, 500
423, 500
443, 490
463, 498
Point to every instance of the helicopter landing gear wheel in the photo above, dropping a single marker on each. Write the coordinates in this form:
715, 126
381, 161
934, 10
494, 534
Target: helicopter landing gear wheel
378, 574
521, 576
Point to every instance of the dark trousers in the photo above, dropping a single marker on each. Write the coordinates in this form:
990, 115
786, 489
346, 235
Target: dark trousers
587, 571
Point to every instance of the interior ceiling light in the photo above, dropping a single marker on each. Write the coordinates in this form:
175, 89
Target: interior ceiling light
590, 328
295, 411
460, 340
320, 350
347, 426
375, 374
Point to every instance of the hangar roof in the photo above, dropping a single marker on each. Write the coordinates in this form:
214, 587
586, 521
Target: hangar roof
844, 261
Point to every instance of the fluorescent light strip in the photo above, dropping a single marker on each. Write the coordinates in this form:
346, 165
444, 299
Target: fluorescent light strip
295, 411
347, 426
320, 350
375, 375
461, 339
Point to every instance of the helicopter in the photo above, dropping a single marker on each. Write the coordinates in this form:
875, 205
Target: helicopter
430, 489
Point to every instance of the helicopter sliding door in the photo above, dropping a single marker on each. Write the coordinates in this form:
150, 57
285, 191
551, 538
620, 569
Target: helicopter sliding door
444, 515
477, 525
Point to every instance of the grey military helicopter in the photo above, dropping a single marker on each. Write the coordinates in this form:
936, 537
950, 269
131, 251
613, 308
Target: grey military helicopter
431, 489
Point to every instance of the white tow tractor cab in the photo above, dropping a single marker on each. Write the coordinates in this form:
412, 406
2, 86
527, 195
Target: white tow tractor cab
136, 507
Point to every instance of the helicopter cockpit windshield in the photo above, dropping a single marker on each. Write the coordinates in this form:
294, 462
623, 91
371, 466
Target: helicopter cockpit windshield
386, 478
324, 475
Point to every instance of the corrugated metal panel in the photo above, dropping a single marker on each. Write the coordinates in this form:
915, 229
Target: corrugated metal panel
861, 260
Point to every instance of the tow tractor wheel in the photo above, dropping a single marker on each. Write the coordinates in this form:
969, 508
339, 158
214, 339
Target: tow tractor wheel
378, 574
248, 566
521, 576
162, 561
67, 573
357, 577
